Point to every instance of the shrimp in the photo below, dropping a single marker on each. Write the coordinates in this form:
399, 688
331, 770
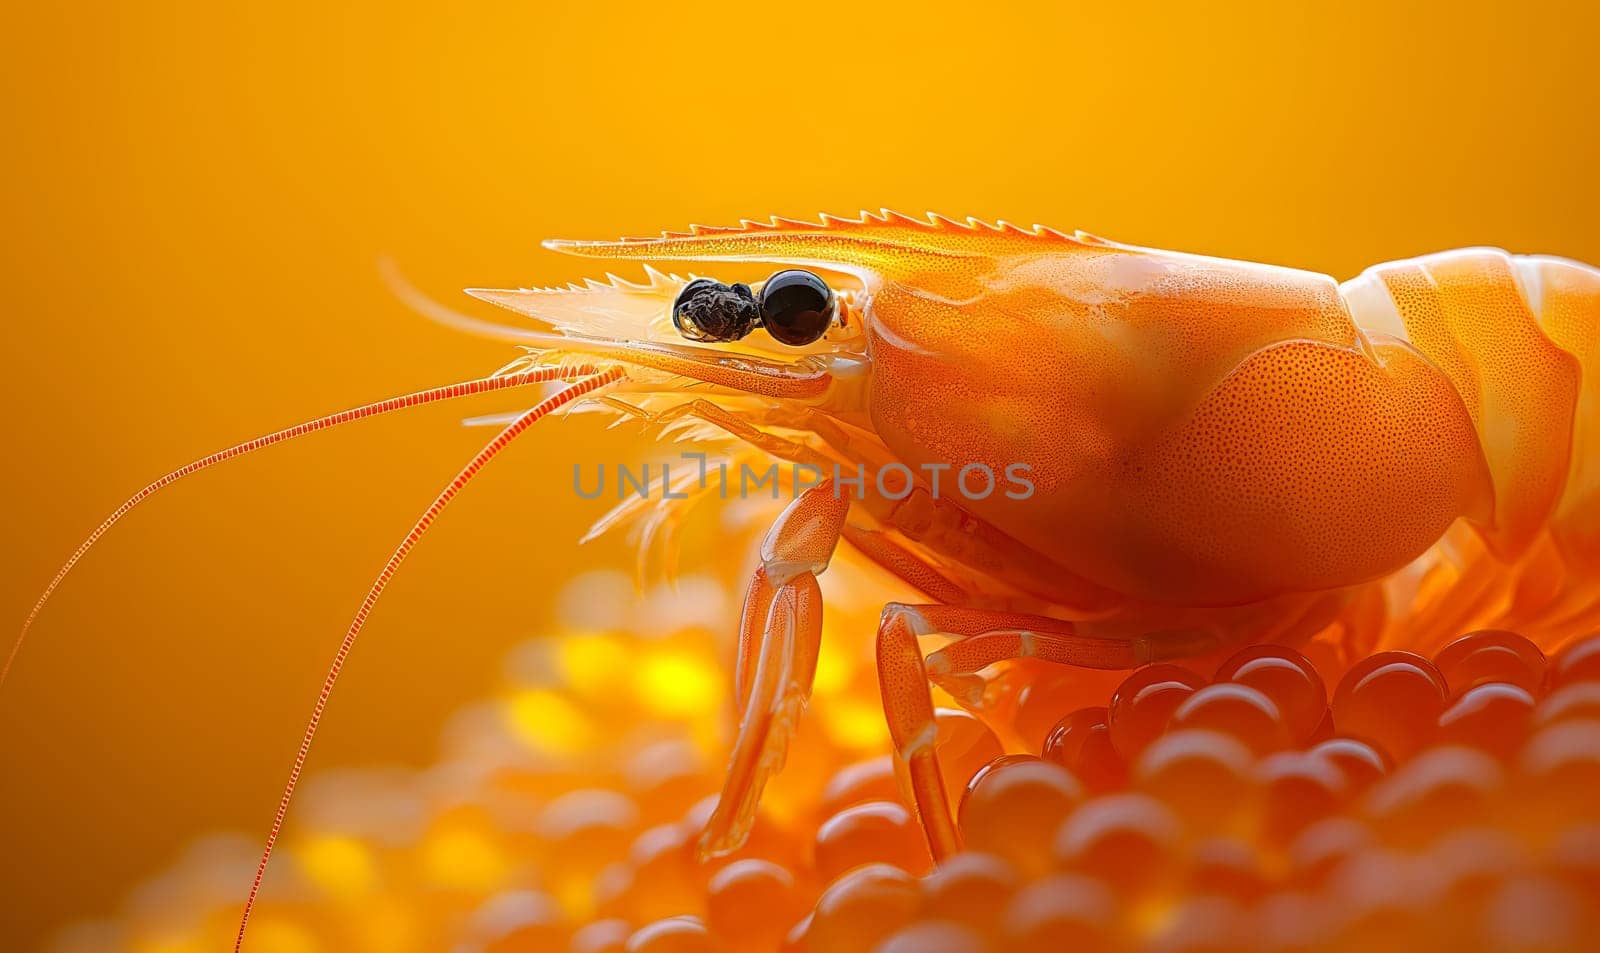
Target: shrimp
1198, 452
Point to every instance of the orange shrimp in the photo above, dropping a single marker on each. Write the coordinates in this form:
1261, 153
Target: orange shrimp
1195, 452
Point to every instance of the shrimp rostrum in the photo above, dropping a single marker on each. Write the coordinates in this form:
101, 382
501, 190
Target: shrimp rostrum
1085, 452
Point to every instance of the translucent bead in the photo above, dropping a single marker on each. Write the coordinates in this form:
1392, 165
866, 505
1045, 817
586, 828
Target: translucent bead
1360, 763
1125, 840
1558, 775
1578, 662
1200, 925
1226, 867
1491, 655
751, 904
1286, 677
1203, 776
935, 936
965, 744
666, 779
588, 825
1144, 701
1578, 700
1533, 912
1382, 897
1013, 807
1297, 789
874, 832
1238, 711
1081, 743
1045, 699
1472, 861
871, 780
601, 936
666, 881
1062, 912
1493, 717
1391, 700
970, 887
1574, 856
1440, 790
1323, 846
518, 920
673, 935
863, 908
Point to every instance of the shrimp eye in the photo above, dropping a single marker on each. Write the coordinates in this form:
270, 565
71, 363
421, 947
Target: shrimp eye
796, 307
707, 310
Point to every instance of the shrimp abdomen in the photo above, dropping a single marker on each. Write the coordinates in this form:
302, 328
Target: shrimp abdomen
1472, 313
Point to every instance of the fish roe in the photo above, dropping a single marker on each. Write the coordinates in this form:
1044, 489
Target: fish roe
1429, 803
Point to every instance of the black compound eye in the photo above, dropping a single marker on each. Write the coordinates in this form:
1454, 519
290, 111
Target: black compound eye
796, 307
707, 310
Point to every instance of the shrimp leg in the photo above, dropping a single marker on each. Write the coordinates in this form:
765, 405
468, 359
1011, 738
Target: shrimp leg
987, 636
779, 634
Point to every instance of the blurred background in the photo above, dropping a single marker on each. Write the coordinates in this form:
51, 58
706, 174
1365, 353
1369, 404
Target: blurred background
196, 198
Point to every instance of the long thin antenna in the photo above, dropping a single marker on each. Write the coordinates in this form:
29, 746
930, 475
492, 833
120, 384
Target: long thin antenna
480, 385
489, 452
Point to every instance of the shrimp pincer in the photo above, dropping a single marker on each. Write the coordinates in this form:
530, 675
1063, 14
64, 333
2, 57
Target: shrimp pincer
1079, 451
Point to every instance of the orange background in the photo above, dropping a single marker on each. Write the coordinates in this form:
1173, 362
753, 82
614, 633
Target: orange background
196, 195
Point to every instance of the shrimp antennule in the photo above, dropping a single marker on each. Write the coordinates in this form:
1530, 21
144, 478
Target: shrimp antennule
480, 385
489, 452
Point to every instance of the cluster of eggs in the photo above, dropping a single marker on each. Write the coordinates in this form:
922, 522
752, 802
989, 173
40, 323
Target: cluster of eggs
1426, 803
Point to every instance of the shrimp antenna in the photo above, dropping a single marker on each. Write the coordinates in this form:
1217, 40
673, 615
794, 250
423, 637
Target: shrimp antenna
489, 452
480, 385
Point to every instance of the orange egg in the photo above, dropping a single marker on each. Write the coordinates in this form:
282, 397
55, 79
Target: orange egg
965, 744
1081, 743
666, 880
1382, 898
666, 779
935, 936
870, 780
1493, 717
673, 935
1286, 677
970, 887
1238, 711
1203, 924
1060, 913
752, 904
1359, 763
1391, 700
1578, 662
1014, 806
1144, 702
1579, 700
1126, 840
874, 832
1439, 790
1226, 867
863, 908
1491, 655
1472, 861
1536, 912
519, 920
1324, 846
1297, 789
601, 936
1203, 776
1558, 774
585, 827
1574, 856
1051, 694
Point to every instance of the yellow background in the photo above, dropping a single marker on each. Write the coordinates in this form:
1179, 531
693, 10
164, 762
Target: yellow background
195, 196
